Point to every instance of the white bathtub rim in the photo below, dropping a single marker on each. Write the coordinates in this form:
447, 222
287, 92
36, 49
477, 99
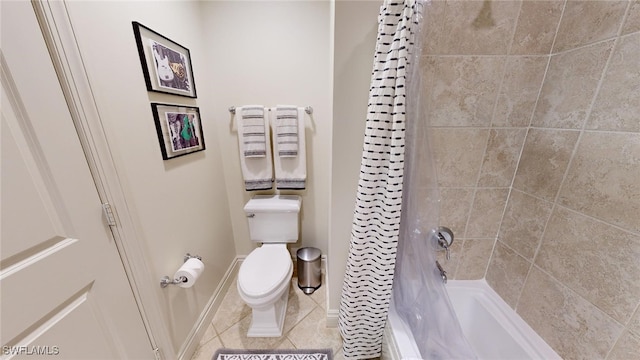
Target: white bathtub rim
400, 341
522, 333
401, 344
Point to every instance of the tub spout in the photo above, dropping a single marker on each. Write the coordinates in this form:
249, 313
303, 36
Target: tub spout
442, 272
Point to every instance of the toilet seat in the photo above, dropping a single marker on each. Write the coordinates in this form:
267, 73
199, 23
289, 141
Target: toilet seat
265, 270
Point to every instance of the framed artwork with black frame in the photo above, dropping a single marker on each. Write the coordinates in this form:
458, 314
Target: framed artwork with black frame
166, 64
179, 129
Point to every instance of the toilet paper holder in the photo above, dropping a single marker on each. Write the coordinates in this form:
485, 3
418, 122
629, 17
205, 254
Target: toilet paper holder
166, 281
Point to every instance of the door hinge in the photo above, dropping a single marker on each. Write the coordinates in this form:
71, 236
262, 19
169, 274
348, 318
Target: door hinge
108, 214
156, 353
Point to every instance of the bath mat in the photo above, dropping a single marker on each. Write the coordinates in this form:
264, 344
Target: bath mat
316, 354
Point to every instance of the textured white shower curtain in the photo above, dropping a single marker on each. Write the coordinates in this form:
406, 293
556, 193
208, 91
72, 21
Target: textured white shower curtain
366, 290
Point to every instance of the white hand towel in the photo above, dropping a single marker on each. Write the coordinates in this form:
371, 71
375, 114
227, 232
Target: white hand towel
290, 169
254, 143
252, 130
286, 131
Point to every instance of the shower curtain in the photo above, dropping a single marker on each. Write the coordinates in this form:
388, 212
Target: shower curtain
366, 290
419, 295
392, 257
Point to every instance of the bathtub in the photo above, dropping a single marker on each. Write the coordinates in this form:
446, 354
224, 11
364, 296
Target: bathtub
493, 329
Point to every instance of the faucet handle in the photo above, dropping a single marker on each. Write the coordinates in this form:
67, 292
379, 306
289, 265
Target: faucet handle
442, 272
444, 237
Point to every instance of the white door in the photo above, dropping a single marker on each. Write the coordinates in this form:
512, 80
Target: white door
64, 291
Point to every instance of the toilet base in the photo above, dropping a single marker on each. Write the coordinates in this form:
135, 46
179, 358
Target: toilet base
269, 321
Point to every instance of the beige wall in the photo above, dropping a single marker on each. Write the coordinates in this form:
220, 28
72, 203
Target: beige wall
180, 205
355, 29
269, 53
537, 142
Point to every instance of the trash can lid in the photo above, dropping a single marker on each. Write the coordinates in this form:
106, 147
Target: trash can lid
308, 253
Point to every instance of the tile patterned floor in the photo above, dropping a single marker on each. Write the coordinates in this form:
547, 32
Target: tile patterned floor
304, 326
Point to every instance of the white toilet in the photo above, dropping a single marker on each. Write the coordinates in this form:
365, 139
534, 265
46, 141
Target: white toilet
265, 275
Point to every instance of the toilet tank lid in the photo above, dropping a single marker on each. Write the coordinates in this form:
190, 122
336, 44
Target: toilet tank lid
282, 203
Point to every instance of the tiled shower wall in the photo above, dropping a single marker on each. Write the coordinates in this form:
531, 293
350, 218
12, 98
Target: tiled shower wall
535, 109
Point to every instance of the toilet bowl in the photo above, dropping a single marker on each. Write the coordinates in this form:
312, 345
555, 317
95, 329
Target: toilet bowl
265, 275
263, 284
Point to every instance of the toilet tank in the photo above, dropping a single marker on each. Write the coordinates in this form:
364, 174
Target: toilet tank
273, 218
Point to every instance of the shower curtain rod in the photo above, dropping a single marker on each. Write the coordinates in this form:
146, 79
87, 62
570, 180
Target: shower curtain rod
308, 110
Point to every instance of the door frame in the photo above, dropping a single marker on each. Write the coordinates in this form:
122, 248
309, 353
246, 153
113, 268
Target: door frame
57, 30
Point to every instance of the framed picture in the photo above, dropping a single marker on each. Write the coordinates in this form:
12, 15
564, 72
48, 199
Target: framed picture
179, 129
166, 64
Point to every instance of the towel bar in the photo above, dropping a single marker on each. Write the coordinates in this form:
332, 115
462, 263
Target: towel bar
308, 110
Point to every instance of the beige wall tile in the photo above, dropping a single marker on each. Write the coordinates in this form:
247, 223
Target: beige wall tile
474, 259
455, 205
506, 273
501, 157
573, 327
569, 86
464, 90
478, 27
524, 221
618, 101
537, 25
519, 91
471, 91
428, 72
603, 178
627, 348
423, 202
451, 265
486, 213
433, 26
458, 154
596, 260
544, 161
461, 91
634, 324
632, 23
585, 22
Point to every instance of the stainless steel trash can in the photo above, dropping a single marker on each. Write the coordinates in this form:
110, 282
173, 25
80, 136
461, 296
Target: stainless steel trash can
309, 270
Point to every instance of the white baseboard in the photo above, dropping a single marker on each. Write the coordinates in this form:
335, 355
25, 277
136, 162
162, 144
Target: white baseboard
332, 314
200, 327
332, 318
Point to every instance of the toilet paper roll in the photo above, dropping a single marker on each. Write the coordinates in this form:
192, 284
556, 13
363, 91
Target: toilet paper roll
191, 270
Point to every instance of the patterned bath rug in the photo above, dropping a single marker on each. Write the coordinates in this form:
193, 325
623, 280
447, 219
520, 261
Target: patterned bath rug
315, 354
